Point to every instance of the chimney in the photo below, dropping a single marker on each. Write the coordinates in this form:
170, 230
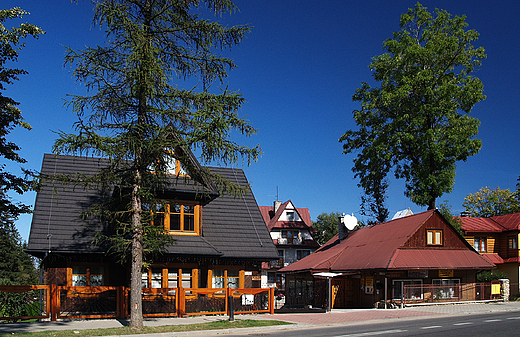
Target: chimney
277, 205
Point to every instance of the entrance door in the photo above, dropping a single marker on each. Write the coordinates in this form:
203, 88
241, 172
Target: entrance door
346, 293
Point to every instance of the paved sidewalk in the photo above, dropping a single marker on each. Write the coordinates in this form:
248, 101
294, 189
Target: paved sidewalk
335, 317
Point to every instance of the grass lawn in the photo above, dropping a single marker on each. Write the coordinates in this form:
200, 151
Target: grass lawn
222, 324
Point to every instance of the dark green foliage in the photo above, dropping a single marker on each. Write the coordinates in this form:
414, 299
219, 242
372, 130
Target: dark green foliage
415, 123
10, 115
488, 276
326, 226
16, 266
447, 212
138, 115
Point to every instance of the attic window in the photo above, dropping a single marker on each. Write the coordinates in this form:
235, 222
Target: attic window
175, 167
178, 218
434, 237
290, 216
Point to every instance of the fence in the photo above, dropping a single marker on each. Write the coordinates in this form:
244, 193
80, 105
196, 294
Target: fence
60, 302
431, 293
24, 302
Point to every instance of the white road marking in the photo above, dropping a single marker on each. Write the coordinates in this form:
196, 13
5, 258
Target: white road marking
465, 323
432, 327
513, 318
493, 320
373, 333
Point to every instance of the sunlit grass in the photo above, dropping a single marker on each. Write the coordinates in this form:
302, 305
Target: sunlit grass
217, 325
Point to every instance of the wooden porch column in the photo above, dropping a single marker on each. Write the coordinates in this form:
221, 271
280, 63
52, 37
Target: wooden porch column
54, 302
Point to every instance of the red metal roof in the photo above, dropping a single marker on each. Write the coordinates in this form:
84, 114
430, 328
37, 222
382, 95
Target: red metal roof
470, 224
510, 222
494, 258
381, 247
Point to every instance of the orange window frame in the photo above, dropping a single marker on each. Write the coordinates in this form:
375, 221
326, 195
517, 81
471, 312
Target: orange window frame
166, 215
436, 237
88, 272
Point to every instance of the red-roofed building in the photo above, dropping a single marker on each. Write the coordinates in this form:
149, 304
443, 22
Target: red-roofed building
418, 249
496, 239
292, 233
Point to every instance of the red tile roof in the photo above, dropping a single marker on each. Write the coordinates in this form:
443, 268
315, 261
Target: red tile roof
271, 219
381, 247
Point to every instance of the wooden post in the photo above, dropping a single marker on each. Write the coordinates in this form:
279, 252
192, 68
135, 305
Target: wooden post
182, 302
271, 301
54, 302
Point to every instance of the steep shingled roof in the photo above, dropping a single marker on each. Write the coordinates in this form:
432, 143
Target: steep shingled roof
271, 217
382, 247
232, 227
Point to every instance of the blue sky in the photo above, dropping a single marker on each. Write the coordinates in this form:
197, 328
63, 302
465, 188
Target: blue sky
298, 69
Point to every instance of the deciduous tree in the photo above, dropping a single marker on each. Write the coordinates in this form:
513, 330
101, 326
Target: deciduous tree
10, 115
416, 121
137, 111
326, 226
486, 203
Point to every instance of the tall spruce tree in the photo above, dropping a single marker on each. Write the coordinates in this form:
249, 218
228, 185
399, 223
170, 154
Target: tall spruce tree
138, 115
416, 122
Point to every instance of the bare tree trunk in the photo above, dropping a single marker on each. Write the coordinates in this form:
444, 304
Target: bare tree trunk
136, 303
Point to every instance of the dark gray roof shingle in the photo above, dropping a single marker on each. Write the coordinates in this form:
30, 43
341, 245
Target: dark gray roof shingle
232, 227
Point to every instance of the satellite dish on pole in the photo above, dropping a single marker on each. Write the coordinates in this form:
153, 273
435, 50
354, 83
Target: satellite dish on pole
350, 221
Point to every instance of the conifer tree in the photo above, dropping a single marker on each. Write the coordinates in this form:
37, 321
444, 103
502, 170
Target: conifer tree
138, 114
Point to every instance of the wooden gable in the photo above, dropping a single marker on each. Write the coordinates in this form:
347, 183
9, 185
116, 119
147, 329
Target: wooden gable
450, 238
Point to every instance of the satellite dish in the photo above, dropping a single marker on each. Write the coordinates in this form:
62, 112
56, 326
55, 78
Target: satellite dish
350, 221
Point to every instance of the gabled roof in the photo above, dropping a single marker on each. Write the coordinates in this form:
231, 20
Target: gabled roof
382, 247
271, 218
496, 224
232, 227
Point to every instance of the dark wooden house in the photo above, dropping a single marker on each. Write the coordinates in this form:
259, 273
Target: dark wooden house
219, 240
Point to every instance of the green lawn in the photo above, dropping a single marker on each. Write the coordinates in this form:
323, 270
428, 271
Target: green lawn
222, 324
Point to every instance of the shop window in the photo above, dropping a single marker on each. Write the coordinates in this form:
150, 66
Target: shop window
87, 276
412, 289
178, 218
434, 237
480, 244
445, 288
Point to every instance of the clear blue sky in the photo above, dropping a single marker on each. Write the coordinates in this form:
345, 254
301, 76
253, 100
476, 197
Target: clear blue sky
298, 69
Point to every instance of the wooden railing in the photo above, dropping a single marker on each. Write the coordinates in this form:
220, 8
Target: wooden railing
62, 302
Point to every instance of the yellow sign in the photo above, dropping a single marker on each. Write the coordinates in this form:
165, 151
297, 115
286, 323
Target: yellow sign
369, 282
495, 289
446, 273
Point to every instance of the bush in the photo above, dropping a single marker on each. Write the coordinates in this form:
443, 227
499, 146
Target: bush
488, 276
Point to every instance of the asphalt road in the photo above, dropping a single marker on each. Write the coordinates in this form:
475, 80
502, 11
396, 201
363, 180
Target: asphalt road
490, 324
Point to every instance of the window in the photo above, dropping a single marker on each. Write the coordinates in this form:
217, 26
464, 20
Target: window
290, 216
511, 242
412, 289
175, 167
222, 278
300, 254
178, 218
445, 288
83, 276
290, 234
480, 244
168, 278
271, 277
434, 237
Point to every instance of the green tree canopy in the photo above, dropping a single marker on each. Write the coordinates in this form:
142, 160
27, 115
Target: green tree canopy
416, 121
326, 226
137, 112
10, 115
486, 203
